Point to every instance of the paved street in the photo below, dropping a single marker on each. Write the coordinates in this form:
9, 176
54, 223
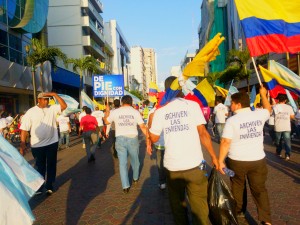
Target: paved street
92, 193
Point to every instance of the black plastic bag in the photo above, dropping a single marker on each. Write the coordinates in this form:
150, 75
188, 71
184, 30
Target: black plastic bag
222, 206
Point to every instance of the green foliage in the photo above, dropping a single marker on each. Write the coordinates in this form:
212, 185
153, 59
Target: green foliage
37, 53
136, 93
87, 63
213, 77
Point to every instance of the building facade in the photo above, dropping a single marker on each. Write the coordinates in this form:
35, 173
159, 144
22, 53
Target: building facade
19, 19
143, 67
77, 28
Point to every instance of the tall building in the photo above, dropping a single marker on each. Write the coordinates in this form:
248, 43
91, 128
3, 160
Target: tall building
143, 67
19, 19
121, 48
77, 28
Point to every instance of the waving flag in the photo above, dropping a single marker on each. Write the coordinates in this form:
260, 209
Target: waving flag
273, 27
291, 100
153, 89
195, 68
276, 83
232, 90
86, 101
204, 94
18, 183
254, 98
222, 91
100, 106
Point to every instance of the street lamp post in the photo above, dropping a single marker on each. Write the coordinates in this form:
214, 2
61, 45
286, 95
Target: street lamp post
27, 48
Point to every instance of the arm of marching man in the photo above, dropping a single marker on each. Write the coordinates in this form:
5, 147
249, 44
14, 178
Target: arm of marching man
24, 135
61, 102
264, 100
224, 148
206, 142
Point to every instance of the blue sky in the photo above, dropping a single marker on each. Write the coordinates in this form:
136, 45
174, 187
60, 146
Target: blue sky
168, 26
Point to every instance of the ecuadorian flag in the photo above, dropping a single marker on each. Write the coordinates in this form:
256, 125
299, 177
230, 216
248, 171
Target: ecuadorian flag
270, 25
204, 94
276, 82
153, 89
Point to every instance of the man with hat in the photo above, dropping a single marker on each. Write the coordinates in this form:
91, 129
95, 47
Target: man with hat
40, 120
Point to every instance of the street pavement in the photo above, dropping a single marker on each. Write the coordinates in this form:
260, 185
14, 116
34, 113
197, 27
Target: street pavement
91, 193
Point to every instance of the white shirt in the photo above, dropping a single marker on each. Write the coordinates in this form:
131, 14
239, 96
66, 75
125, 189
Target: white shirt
99, 116
63, 122
82, 114
245, 129
220, 110
282, 115
178, 120
161, 141
3, 123
126, 120
9, 119
42, 125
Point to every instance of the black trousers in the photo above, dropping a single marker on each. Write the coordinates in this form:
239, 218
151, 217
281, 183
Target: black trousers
45, 162
256, 172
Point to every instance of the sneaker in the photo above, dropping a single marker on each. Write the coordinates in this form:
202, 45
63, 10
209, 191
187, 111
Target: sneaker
241, 215
162, 186
38, 193
287, 158
49, 192
83, 145
135, 182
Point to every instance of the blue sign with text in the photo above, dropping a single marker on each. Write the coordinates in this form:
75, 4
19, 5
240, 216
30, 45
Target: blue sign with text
108, 85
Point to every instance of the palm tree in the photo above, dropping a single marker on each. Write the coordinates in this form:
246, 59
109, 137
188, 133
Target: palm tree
38, 54
237, 68
213, 77
87, 64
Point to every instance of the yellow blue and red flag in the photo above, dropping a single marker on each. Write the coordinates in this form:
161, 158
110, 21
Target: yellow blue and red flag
204, 94
195, 68
153, 89
222, 91
279, 77
273, 27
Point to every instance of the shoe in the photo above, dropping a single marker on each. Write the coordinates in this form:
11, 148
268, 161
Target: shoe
49, 192
135, 182
162, 186
83, 145
287, 158
38, 193
126, 190
279, 155
241, 215
265, 223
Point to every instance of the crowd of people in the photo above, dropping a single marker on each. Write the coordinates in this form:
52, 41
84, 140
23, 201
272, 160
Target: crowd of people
238, 129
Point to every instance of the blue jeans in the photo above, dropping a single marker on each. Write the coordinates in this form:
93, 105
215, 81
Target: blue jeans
64, 135
90, 139
128, 146
286, 136
220, 128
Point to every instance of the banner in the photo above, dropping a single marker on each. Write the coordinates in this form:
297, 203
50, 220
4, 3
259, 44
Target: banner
108, 85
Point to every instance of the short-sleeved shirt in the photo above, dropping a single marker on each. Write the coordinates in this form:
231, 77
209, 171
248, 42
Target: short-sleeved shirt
126, 119
220, 112
41, 122
99, 117
282, 115
178, 120
88, 123
63, 122
245, 129
161, 142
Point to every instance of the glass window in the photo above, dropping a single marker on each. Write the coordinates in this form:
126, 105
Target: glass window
4, 51
15, 56
15, 42
3, 37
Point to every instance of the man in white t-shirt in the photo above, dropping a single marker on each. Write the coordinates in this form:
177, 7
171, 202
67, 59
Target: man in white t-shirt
126, 120
183, 125
40, 120
243, 140
220, 113
99, 115
64, 130
283, 114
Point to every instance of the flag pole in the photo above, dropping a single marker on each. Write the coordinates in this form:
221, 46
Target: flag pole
254, 64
